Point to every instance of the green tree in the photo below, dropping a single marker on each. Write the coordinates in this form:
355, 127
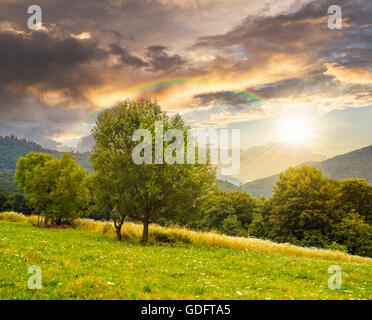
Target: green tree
232, 226
29, 183
229, 212
109, 186
18, 203
55, 188
216, 209
260, 226
305, 206
148, 191
244, 207
356, 195
355, 234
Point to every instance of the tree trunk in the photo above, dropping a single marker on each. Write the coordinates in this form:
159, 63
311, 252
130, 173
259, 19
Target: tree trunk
145, 234
118, 232
118, 225
59, 221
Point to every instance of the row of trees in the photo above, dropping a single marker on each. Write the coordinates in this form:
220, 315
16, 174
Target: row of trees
61, 190
306, 209
311, 210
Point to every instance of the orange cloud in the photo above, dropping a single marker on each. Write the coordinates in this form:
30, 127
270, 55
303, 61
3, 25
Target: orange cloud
349, 75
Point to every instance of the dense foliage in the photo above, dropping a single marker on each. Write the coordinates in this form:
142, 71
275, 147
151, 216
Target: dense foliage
14, 202
55, 188
310, 210
149, 191
307, 209
230, 213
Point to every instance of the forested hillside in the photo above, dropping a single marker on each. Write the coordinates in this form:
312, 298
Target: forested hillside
11, 148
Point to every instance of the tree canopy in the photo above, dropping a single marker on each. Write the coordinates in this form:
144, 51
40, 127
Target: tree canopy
55, 188
145, 191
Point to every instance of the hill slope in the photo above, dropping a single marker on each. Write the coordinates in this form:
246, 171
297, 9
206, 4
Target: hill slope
355, 164
12, 148
80, 265
261, 162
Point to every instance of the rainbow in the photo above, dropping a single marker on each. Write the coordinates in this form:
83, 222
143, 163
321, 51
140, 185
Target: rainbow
165, 83
249, 95
145, 87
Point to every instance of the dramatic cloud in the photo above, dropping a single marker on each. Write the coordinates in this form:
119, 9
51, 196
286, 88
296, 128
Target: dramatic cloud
195, 57
159, 60
126, 58
38, 59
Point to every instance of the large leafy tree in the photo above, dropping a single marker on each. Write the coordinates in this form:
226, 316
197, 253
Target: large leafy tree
147, 191
305, 206
29, 182
109, 186
55, 188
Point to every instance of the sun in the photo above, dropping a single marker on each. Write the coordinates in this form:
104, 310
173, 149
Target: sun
295, 130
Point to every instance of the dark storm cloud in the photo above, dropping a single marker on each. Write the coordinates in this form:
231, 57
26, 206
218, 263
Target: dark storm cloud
65, 63
159, 60
156, 59
35, 65
38, 59
126, 58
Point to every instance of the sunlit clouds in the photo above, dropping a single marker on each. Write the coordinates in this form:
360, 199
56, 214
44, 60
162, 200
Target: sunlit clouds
216, 62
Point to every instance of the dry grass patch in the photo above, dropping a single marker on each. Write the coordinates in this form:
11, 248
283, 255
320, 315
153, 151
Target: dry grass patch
133, 231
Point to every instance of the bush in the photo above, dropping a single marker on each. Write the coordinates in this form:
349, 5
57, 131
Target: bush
232, 227
55, 188
354, 233
230, 213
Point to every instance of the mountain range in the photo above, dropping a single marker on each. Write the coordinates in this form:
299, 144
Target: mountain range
265, 161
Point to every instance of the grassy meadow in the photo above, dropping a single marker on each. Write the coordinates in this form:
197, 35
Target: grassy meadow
77, 264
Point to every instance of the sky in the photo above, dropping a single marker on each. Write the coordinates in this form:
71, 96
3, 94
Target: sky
219, 63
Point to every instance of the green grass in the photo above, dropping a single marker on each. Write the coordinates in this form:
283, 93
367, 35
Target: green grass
81, 265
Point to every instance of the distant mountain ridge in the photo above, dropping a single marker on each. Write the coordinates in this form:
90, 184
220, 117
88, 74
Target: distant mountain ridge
355, 164
265, 161
11, 148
